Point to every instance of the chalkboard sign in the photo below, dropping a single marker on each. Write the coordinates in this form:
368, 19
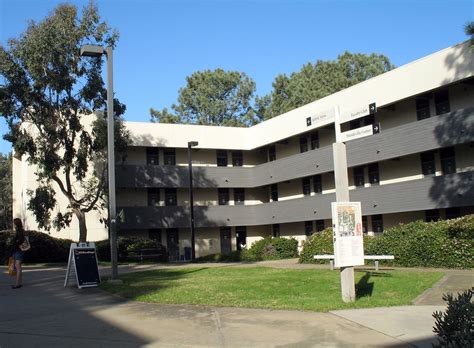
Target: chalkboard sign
84, 258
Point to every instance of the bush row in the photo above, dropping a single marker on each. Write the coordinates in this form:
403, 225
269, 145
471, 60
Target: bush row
45, 248
267, 248
446, 243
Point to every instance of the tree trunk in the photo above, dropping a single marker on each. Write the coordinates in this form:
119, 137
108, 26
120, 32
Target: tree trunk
81, 217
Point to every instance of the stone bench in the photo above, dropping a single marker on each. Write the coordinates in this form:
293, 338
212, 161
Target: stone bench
376, 259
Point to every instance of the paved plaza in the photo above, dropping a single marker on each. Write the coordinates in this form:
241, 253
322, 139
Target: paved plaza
45, 314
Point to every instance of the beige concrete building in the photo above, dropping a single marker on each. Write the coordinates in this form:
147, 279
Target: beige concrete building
276, 178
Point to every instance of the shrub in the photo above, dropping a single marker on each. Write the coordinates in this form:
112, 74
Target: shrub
234, 256
455, 327
127, 248
270, 248
447, 243
44, 248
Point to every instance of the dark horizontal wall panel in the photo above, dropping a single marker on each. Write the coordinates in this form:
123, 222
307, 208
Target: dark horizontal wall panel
454, 190
453, 128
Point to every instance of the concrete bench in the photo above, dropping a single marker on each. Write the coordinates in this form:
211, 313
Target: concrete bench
376, 259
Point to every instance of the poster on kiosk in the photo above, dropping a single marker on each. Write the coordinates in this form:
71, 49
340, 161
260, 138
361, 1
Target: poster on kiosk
347, 232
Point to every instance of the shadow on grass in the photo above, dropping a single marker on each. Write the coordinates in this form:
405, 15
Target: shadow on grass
364, 288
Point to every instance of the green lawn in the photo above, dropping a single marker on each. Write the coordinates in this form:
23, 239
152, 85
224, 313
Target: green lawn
262, 287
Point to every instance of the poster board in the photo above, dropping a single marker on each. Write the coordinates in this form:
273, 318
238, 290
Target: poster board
83, 260
347, 234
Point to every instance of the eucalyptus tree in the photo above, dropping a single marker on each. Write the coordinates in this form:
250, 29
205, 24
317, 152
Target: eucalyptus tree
48, 95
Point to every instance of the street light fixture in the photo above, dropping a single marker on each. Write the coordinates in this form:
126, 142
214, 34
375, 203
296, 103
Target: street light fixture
191, 201
97, 51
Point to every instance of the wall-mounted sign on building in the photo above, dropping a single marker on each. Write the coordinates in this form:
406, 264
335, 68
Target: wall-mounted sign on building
358, 112
347, 233
320, 119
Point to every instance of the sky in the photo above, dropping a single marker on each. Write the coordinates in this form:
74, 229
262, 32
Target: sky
163, 41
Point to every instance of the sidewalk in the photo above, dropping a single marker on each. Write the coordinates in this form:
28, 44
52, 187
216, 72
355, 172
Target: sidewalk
43, 313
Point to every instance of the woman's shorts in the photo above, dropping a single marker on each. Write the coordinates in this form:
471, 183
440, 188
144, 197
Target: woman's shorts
18, 255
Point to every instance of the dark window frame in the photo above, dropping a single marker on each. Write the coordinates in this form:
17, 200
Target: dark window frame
377, 223
237, 158
447, 157
319, 225
374, 173
318, 183
274, 192
153, 197
306, 186
359, 176
223, 196
276, 230
154, 233
303, 144
422, 106
169, 156
171, 197
428, 163
239, 193
315, 140
272, 153
432, 215
152, 156
308, 228
222, 158
453, 213
442, 104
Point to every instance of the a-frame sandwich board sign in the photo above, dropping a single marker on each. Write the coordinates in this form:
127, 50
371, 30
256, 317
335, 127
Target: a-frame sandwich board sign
84, 259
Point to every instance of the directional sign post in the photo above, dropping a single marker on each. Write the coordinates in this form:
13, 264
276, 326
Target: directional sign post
361, 132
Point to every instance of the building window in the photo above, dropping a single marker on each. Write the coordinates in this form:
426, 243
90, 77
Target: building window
428, 163
359, 176
272, 153
363, 121
237, 159
422, 108
155, 234
318, 183
153, 197
364, 224
306, 186
223, 194
303, 144
442, 102
431, 215
221, 158
377, 223
314, 140
171, 197
274, 192
452, 213
308, 228
448, 160
170, 157
276, 230
241, 236
374, 177
319, 225
152, 156
239, 196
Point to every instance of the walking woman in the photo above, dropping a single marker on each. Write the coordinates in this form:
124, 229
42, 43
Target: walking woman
17, 253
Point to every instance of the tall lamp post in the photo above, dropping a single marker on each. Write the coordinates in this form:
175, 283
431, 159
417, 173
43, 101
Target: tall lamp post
97, 51
191, 200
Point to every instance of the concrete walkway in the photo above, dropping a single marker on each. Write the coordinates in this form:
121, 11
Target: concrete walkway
45, 314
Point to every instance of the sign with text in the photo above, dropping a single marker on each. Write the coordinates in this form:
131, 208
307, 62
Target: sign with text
83, 261
347, 234
361, 132
320, 119
358, 112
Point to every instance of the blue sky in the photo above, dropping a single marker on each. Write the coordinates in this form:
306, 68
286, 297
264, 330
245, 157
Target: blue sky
162, 42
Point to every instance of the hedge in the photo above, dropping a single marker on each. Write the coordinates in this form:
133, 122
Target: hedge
45, 248
446, 243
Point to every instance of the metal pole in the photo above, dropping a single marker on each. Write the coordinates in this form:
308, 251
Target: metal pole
191, 202
342, 195
111, 162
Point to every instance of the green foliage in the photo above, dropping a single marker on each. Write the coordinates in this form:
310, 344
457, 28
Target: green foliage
44, 248
215, 97
469, 30
447, 243
47, 93
270, 248
455, 327
315, 81
5, 192
128, 247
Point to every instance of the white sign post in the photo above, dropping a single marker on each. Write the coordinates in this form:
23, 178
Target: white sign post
347, 232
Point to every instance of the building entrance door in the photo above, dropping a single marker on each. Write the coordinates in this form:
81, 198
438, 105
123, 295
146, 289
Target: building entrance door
226, 244
172, 243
